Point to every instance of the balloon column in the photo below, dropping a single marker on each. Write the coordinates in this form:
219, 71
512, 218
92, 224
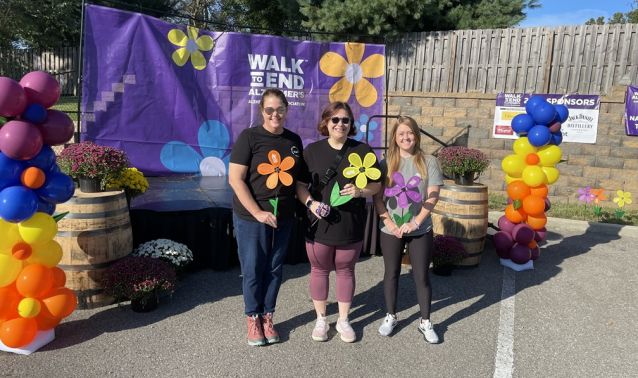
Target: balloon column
32, 293
528, 172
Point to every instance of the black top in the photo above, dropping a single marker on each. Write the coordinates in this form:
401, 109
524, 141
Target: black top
346, 223
251, 149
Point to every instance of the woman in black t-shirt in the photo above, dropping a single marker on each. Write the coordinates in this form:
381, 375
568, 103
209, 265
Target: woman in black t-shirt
334, 239
264, 163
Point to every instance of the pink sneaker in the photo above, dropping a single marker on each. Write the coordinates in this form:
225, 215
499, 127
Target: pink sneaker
269, 329
320, 332
345, 330
255, 332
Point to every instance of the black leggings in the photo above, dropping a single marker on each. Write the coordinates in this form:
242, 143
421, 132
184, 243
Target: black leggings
420, 249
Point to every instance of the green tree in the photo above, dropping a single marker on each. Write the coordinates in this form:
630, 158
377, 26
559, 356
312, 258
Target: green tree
630, 17
596, 21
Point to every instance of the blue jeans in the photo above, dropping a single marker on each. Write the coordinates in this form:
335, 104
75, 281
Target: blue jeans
261, 259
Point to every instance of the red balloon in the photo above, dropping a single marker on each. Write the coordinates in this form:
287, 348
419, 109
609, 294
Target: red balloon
9, 300
20, 140
34, 281
57, 129
59, 277
61, 302
41, 88
18, 332
13, 100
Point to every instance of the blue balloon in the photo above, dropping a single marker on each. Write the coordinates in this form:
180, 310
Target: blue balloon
44, 159
10, 171
46, 207
35, 113
544, 113
539, 136
522, 123
532, 102
562, 113
57, 188
557, 138
17, 203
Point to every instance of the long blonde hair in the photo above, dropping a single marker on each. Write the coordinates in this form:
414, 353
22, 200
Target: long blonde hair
393, 159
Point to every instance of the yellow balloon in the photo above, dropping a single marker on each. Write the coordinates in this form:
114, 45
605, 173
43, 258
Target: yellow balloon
550, 155
40, 228
48, 254
533, 175
509, 179
523, 147
8, 234
10, 267
29, 307
513, 165
551, 174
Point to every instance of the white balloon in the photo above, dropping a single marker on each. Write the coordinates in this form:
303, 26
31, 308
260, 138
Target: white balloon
212, 166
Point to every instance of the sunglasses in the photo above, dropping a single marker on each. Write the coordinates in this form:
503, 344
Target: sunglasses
280, 110
344, 120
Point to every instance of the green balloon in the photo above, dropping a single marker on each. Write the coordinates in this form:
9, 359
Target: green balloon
2, 121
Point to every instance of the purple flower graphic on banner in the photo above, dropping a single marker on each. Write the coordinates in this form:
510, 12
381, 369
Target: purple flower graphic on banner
404, 192
361, 128
585, 195
214, 143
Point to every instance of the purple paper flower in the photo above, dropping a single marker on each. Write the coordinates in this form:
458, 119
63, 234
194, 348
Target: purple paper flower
404, 192
585, 195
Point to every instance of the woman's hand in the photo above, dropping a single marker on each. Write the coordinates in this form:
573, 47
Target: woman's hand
392, 227
320, 209
407, 228
266, 217
350, 190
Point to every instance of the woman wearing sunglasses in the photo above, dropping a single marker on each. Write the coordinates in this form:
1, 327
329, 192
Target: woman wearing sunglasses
335, 235
412, 183
264, 163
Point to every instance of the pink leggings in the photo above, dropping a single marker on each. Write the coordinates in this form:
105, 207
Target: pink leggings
325, 258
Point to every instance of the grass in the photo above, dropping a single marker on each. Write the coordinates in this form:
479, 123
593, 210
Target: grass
69, 105
497, 202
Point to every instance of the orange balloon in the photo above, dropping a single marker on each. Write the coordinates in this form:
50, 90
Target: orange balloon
34, 280
533, 244
517, 190
59, 277
533, 205
9, 299
536, 222
515, 215
33, 178
61, 302
45, 320
532, 159
18, 332
21, 250
539, 191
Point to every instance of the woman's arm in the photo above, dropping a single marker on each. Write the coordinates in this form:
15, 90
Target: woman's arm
426, 210
384, 215
236, 176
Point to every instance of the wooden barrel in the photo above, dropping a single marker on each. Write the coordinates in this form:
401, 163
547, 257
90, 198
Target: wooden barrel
95, 233
462, 212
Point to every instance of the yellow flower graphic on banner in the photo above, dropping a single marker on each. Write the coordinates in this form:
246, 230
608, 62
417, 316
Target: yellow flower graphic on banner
353, 73
190, 46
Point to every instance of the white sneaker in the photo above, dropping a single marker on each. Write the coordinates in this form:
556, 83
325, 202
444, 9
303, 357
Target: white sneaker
345, 331
425, 327
320, 332
388, 325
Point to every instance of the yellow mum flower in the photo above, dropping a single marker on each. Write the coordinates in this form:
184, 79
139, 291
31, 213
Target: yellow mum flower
623, 198
363, 170
190, 46
353, 74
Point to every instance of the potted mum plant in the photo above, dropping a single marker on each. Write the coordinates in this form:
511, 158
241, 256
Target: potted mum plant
176, 254
131, 180
141, 280
91, 164
463, 164
448, 251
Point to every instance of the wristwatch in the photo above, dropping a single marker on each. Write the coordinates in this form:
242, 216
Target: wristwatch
309, 202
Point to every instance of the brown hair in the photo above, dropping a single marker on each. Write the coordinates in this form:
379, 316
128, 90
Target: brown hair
394, 157
331, 109
273, 92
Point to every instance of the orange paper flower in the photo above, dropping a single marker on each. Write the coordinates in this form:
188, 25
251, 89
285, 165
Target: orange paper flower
276, 169
599, 195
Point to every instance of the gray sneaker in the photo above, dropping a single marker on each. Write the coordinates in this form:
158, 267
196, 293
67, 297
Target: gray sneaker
388, 325
345, 330
320, 332
425, 327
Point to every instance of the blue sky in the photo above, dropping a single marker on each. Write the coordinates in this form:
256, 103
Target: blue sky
573, 12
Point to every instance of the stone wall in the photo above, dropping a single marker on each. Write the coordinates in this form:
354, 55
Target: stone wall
467, 119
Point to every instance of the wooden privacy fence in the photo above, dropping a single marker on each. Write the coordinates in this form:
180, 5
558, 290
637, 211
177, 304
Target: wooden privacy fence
61, 62
568, 59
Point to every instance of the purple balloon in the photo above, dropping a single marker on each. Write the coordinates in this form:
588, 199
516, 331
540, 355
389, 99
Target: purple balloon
505, 225
17, 203
535, 253
503, 242
548, 205
58, 128
10, 171
520, 253
13, 100
20, 140
41, 88
555, 127
523, 233
58, 188
544, 113
540, 235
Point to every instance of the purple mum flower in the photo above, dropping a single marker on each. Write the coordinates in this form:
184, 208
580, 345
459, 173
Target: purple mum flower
404, 192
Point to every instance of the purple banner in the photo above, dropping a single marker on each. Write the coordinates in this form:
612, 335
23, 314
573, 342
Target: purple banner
631, 111
174, 98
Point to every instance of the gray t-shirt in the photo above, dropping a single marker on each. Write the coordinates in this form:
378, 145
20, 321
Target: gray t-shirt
407, 194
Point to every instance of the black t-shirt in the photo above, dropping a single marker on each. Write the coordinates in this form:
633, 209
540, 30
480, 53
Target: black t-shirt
346, 223
251, 149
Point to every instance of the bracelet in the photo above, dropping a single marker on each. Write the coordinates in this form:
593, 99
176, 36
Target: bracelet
415, 224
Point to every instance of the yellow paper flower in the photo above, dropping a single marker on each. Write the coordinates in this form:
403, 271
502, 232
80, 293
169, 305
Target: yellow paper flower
623, 198
363, 170
353, 73
190, 46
